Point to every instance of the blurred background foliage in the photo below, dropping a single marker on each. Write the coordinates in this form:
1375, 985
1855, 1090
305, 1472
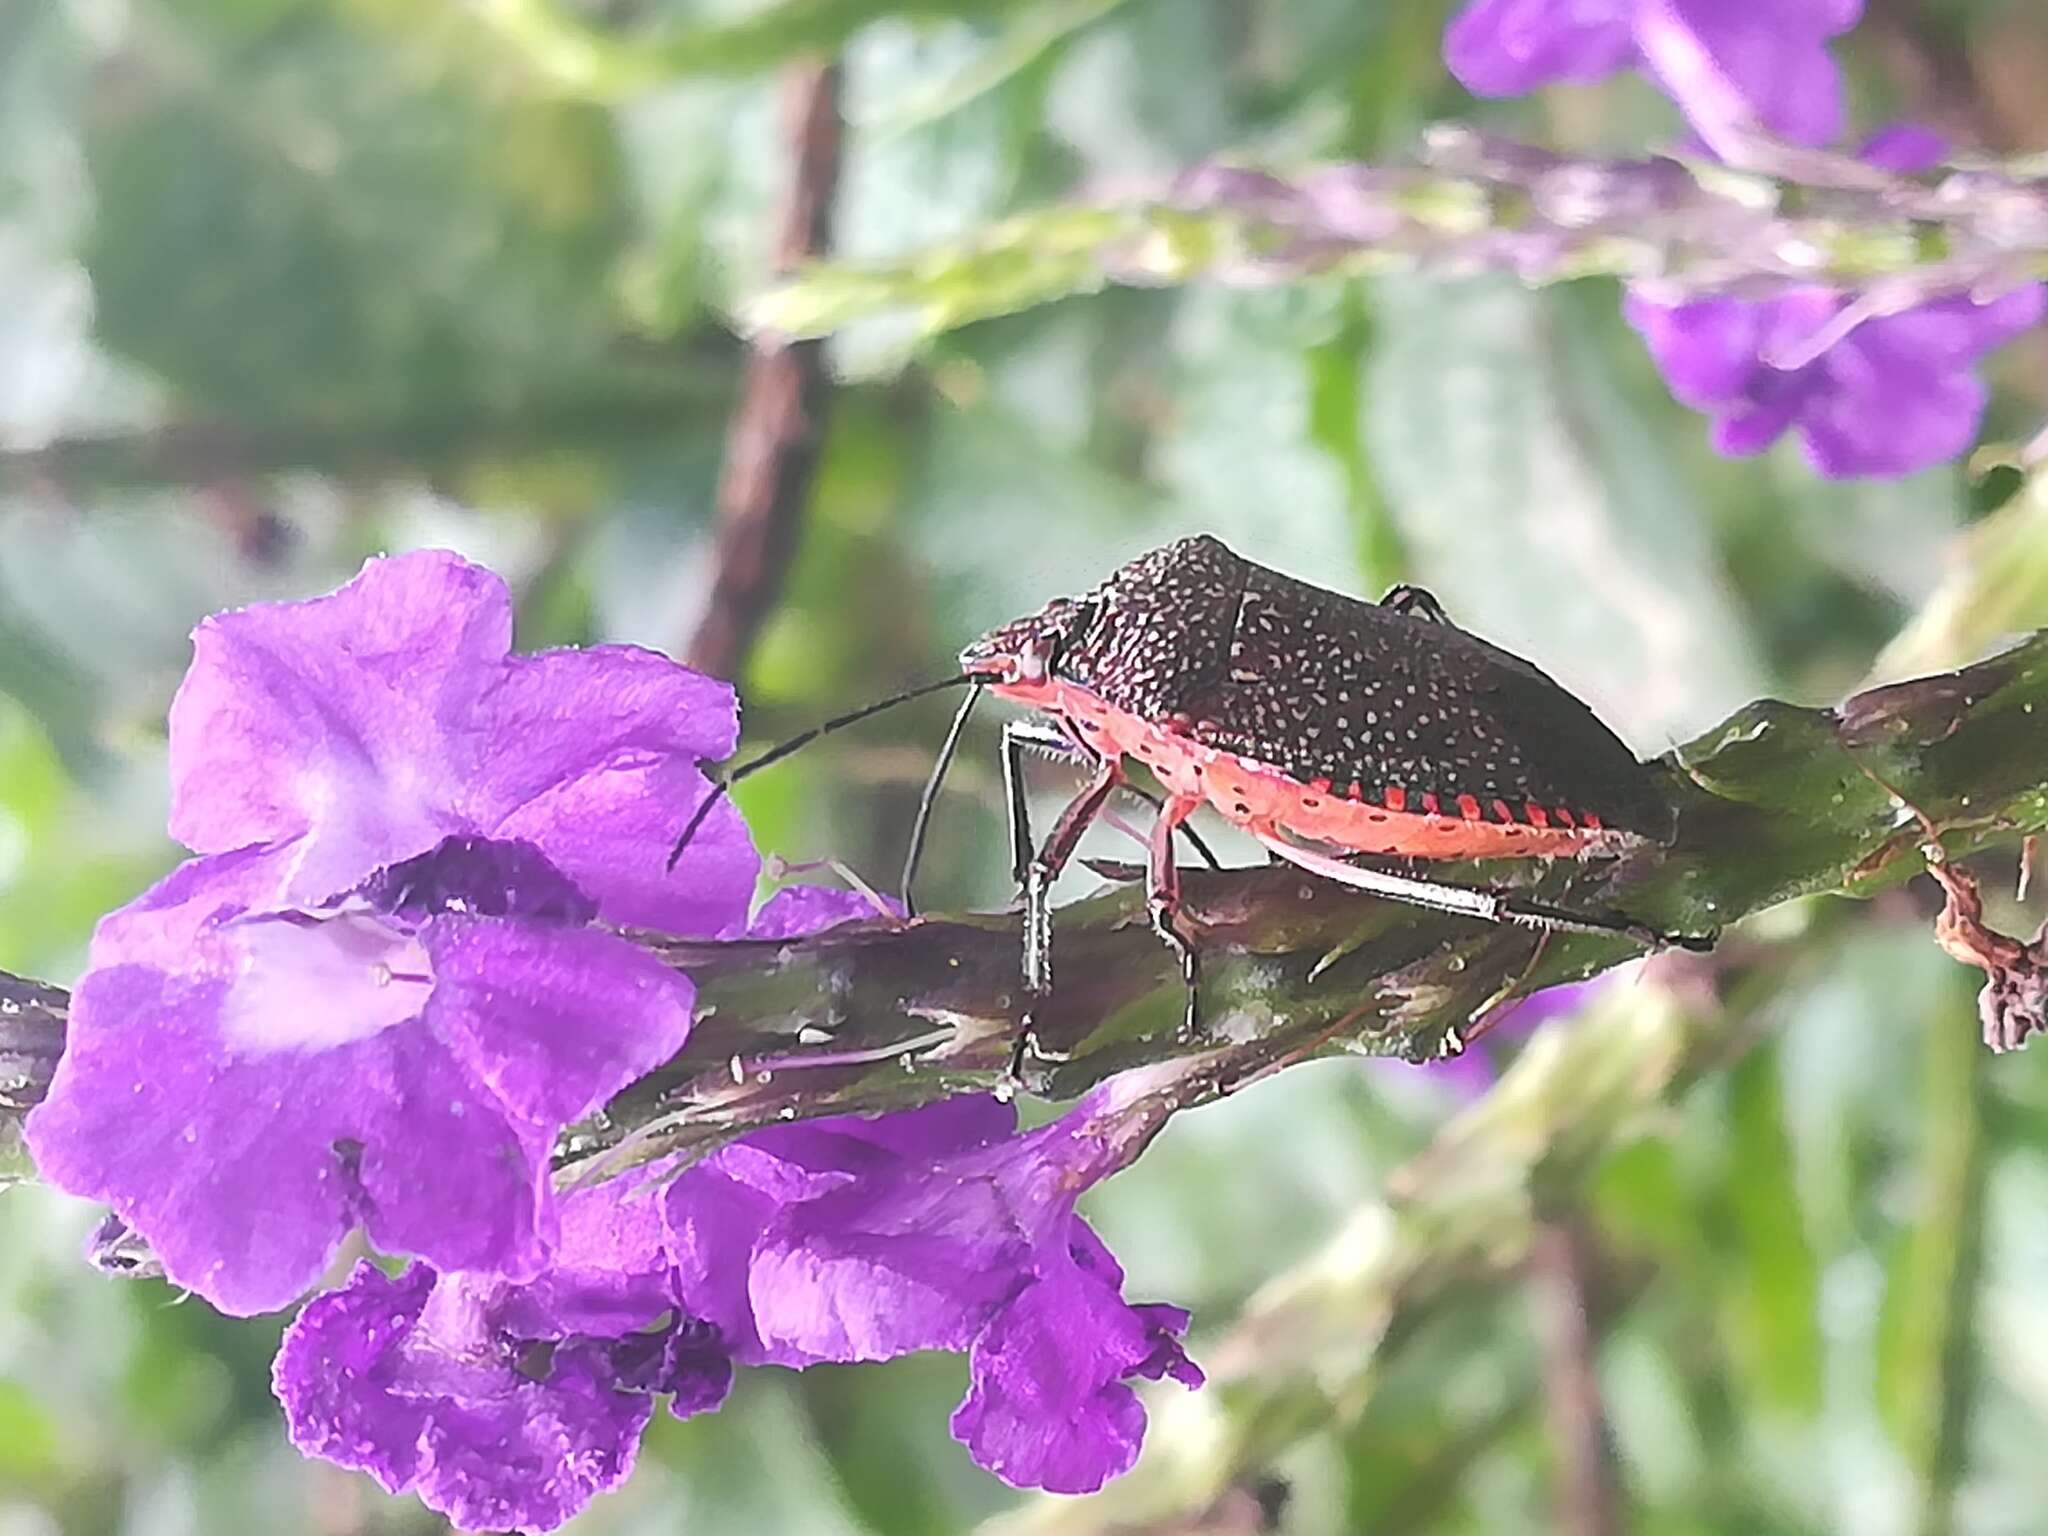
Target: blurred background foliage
287, 282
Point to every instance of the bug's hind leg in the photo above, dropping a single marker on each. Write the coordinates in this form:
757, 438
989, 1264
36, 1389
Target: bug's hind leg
1477, 901
1162, 905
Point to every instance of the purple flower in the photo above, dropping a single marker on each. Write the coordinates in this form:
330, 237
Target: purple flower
1892, 395
376, 997
1731, 65
509, 1404
501, 1405
942, 1229
1888, 395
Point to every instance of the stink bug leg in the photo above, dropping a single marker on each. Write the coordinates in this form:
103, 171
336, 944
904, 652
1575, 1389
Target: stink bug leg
1162, 901
1416, 603
1038, 869
1489, 906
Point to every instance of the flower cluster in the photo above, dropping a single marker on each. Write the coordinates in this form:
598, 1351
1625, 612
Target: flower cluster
390, 977
1868, 389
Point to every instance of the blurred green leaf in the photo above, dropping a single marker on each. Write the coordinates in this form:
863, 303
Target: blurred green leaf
323, 190
28, 1439
1995, 584
1927, 1341
1776, 1295
1239, 450
1532, 498
605, 64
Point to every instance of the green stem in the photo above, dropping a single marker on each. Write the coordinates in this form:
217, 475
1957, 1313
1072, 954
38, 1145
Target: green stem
1473, 204
1778, 802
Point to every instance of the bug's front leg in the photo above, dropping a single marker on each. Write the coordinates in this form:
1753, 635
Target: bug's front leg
1037, 870
1162, 903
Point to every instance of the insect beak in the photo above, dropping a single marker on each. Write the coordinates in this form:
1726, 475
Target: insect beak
999, 664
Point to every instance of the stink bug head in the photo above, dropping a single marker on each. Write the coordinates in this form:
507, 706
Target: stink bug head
1026, 652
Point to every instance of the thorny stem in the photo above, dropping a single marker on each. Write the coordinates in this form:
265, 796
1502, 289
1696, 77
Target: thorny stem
1473, 204
1777, 802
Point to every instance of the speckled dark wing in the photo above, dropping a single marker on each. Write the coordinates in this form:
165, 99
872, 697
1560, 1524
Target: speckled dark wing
1324, 686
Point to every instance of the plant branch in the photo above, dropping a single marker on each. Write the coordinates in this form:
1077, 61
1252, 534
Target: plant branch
1561, 1292
1474, 204
1777, 802
635, 403
771, 448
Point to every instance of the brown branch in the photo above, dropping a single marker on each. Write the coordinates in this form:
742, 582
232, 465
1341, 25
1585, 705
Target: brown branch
1567, 1325
631, 402
771, 450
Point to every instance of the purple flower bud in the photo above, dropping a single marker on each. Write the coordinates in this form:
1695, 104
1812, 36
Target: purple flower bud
1732, 66
376, 997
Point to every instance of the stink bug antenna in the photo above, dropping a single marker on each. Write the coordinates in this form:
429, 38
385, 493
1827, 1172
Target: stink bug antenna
930, 797
775, 754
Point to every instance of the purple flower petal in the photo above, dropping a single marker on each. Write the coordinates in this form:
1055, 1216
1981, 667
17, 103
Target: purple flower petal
850, 1276
330, 1370
504, 1405
1734, 65
319, 720
370, 724
610, 1276
1049, 1406
1730, 65
605, 776
299, 1075
1906, 148
721, 1210
861, 1240
410, 1381
375, 999
553, 1020
1894, 395
1510, 47
796, 910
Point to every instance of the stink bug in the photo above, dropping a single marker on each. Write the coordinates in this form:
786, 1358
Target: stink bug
1323, 725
